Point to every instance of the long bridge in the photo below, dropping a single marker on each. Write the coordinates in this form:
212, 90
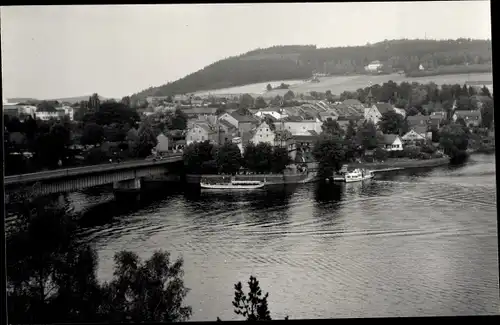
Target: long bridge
125, 177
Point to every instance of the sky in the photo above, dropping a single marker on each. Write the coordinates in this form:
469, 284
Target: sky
65, 51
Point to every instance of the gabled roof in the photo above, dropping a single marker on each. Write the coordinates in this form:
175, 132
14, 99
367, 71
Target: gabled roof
420, 129
468, 113
416, 119
384, 107
244, 118
352, 102
350, 117
272, 118
204, 126
293, 119
226, 124
390, 138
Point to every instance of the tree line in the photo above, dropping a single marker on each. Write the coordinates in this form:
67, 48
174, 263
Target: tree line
207, 158
113, 129
52, 278
299, 62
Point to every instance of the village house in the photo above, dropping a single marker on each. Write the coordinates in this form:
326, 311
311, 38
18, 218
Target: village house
373, 66
163, 143
244, 123
200, 132
418, 120
302, 144
354, 105
374, 113
297, 125
343, 120
323, 116
417, 135
196, 112
273, 111
263, 134
392, 142
471, 118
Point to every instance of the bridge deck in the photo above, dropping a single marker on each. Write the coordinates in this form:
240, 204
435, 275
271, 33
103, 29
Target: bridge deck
78, 171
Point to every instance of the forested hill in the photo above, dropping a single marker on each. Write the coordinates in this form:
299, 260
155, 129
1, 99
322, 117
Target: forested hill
299, 62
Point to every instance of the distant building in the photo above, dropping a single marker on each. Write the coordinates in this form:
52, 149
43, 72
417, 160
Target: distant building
392, 142
374, 113
374, 66
417, 134
471, 118
200, 132
263, 134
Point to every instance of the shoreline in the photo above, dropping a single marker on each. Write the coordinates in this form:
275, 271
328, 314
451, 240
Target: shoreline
277, 179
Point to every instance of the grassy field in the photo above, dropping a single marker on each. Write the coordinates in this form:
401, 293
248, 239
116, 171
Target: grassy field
338, 84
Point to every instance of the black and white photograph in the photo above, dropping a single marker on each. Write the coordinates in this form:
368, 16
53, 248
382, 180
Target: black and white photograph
248, 161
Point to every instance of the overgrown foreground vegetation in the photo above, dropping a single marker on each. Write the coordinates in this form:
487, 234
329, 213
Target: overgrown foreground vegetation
52, 278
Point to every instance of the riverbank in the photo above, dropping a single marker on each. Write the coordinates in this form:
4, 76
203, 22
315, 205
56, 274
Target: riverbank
401, 163
271, 179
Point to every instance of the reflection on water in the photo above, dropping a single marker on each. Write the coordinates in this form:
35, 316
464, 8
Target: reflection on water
402, 244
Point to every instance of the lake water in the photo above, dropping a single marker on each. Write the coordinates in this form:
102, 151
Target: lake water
405, 244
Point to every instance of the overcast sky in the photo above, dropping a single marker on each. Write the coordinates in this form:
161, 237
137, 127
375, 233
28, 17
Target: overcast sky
65, 51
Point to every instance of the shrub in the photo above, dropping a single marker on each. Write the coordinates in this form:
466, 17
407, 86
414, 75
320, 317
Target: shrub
424, 156
380, 154
428, 148
411, 152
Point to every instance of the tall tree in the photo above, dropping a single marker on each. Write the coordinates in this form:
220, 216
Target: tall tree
246, 101
329, 152
253, 307
228, 158
260, 102
392, 123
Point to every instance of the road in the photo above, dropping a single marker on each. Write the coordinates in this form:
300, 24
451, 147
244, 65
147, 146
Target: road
59, 173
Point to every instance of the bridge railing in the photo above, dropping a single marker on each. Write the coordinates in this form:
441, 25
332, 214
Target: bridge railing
58, 173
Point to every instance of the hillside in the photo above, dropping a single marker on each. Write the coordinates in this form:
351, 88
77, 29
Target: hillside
70, 100
299, 62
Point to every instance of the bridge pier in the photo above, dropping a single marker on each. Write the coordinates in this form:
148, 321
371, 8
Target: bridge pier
127, 189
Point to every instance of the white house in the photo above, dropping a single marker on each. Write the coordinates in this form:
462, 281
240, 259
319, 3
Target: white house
68, 111
417, 134
392, 142
300, 127
274, 112
45, 116
375, 112
373, 66
263, 134
229, 118
162, 145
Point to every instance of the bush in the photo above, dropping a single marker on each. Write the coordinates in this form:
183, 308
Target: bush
437, 154
411, 152
428, 148
424, 156
396, 154
380, 154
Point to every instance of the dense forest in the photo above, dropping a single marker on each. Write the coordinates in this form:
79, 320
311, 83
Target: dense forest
300, 62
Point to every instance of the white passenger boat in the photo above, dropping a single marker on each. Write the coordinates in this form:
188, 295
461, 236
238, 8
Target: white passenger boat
234, 185
356, 175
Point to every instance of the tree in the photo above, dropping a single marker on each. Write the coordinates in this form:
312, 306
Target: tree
289, 95
126, 101
280, 159
246, 101
487, 113
485, 91
260, 102
392, 123
332, 127
269, 87
94, 102
46, 106
367, 136
228, 158
258, 158
147, 140
13, 124
151, 291
220, 111
453, 139
276, 101
179, 120
329, 152
92, 134
197, 156
253, 307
